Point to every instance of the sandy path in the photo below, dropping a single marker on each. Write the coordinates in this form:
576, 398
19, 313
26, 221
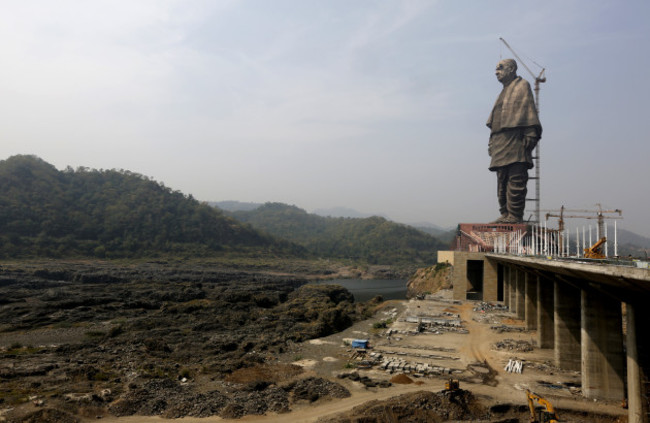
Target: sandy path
477, 343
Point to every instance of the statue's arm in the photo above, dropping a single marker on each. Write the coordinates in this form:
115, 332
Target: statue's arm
531, 137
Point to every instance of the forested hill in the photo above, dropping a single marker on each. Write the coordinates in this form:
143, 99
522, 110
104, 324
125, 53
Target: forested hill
374, 239
46, 212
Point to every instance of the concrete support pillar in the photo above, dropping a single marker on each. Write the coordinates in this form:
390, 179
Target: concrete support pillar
603, 366
520, 309
545, 328
506, 286
513, 289
637, 347
566, 320
490, 280
530, 282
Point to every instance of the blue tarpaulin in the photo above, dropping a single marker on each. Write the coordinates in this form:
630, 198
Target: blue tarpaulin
360, 343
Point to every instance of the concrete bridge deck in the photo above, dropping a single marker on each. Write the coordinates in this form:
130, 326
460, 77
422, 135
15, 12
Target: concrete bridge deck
594, 316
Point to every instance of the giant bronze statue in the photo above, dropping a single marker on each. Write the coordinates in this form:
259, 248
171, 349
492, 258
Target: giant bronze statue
514, 133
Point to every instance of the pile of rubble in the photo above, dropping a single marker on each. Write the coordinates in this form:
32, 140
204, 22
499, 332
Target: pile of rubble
398, 364
514, 345
365, 380
487, 318
481, 372
421, 406
420, 355
314, 388
170, 399
506, 328
484, 307
392, 365
428, 348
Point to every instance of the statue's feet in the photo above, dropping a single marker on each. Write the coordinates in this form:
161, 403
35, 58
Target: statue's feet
501, 219
512, 219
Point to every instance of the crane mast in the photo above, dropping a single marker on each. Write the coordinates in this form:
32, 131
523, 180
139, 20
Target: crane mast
599, 216
536, 156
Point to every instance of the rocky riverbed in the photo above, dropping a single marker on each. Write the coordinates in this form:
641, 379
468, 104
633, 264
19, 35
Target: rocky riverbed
96, 339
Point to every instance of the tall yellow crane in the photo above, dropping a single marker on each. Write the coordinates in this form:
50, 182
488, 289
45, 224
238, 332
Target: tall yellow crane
538, 80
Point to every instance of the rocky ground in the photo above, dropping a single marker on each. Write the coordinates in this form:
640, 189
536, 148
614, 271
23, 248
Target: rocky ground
140, 342
91, 340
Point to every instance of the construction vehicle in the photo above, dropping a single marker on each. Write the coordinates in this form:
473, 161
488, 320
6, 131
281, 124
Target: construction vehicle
545, 415
452, 385
596, 251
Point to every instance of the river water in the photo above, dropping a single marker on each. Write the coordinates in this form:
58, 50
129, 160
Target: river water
364, 290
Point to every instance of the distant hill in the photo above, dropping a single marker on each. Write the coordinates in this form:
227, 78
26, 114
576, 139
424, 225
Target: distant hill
444, 235
343, 212
374, 239
234, 205
631, 244
108, 213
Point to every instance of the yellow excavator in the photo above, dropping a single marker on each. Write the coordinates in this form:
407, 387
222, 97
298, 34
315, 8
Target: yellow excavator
545, 415
452, 385
596, 251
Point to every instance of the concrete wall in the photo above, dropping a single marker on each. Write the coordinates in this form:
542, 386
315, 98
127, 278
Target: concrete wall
460, 281
446, 256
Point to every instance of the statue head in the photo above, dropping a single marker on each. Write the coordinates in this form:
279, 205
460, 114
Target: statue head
506, 70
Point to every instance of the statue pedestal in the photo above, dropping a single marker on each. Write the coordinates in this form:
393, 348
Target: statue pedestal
488, 237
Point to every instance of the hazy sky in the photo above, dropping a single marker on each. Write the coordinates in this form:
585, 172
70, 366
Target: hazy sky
374, 105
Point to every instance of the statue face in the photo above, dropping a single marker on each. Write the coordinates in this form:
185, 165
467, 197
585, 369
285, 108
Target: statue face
504, 71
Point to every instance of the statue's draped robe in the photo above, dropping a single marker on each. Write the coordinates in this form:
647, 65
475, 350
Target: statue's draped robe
513, 117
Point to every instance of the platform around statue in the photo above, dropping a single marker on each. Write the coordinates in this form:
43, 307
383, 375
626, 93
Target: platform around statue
482, 237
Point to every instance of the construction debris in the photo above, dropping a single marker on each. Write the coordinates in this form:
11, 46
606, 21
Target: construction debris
419, 369
365, 380
506, 328
483, 373
484, 307
514, 345
426, 348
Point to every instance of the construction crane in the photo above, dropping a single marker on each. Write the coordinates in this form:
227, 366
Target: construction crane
599, 216
547, 415
595, 249
538, 80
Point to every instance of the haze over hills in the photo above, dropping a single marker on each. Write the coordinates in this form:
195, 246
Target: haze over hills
45, 212
234, 205
118, 213
629, 242
374, 239
632, 244
338, 211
